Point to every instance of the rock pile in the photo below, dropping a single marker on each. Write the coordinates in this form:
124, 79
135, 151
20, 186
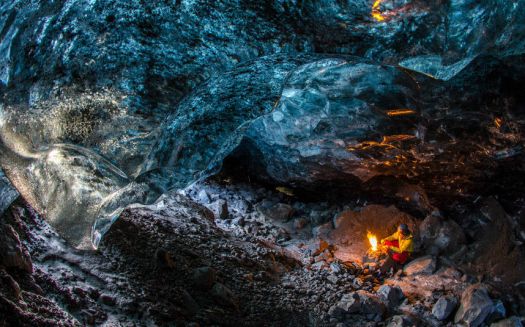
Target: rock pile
179, 262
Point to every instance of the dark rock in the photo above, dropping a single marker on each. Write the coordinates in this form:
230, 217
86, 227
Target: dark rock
425, 265
332, 279
239, 221
509, 322
439, 235
371, 304
224, 295
475, 306
498, 313
400, 321
189, 303
108, 300
300, 223
392, 295
94, 294
444, 307
204, 277
322, 231
335, 267
318, 217
349, 303
416, 196
318, 265
220, 209
9, 287
164, 259
12, 252
495, 249
279, 211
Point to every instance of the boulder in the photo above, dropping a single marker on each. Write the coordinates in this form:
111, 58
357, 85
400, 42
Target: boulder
220, 209
204, 277
322, 231
495, 249
242, 206
278, 211
332, 278
416, 196
371, 305
335, 267
391, 295
9, 287
360, 302
444, 307
224, 295
438, 235
350, 303
498, 313
12, 252
425, 265
203, 197
476, 306
300, 223
189, 303
509, 322
400, 321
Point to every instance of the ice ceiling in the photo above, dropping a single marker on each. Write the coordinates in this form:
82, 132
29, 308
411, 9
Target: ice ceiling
110, 103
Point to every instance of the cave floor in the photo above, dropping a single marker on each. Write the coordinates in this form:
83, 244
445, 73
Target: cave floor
221, 253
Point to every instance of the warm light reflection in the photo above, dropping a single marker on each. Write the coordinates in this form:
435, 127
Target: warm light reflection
373, 241
396, 138
400, 112
498, 122
375, 11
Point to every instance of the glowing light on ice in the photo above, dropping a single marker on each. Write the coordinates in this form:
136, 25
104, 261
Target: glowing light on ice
2, 117
376, 13
400, 112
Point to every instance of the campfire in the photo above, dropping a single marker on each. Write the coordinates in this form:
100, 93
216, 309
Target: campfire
373, 241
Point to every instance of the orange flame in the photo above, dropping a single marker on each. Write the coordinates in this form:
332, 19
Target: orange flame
373, 241
376, 13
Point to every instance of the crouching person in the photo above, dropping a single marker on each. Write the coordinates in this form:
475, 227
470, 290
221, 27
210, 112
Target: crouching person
399, 247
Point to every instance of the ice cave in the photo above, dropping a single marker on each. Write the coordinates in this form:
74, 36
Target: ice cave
262, 163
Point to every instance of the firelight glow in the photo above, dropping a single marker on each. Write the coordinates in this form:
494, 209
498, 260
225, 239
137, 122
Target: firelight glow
373, 241
400, 112
375, 11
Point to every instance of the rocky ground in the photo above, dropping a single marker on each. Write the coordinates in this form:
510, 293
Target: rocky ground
228, 253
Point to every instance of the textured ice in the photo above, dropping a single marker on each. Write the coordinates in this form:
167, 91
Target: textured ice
108, 103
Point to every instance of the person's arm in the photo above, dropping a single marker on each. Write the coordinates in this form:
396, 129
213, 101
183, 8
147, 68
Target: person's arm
403, 247
395, 249
392, 237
